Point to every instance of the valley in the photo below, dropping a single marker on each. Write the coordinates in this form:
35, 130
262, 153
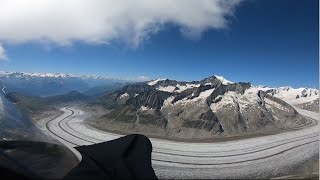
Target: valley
199, 129
260, 157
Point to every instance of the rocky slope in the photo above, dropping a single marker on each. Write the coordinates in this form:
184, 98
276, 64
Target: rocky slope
40, 107
199, 109
13, 124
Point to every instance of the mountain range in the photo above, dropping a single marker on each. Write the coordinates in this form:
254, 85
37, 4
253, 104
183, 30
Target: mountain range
49, 84
210, 107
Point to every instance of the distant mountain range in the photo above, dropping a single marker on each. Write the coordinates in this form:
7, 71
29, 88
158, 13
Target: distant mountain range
23, 75
48, 84
209, 107
34, 105
213, 106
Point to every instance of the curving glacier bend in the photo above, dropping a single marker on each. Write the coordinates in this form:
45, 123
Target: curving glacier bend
260, 157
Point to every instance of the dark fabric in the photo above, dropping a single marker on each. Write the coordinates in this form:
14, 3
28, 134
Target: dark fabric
29, 159
128, 157
6, 173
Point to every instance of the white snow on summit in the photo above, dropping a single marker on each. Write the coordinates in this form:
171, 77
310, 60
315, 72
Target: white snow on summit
154, 82
223, 80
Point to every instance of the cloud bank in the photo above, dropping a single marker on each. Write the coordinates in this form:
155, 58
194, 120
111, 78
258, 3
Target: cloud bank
3, 55
105, 21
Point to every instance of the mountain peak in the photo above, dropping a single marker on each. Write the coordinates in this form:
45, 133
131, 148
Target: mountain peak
223, 80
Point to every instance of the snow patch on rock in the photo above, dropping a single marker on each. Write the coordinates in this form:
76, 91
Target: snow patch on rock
226, 100
154, 82
167, 88
185, 87
167, 102
124, 95
144, 108
202, 96
248, 98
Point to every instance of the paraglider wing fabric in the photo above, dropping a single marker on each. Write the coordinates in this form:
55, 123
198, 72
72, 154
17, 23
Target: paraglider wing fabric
128, 157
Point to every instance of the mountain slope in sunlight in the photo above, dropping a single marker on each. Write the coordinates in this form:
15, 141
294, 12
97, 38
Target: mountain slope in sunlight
210, 107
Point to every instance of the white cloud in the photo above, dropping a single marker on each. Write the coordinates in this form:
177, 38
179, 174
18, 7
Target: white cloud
143, 78
105, 21
3, 55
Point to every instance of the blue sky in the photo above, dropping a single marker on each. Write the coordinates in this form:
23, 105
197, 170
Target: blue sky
269, 42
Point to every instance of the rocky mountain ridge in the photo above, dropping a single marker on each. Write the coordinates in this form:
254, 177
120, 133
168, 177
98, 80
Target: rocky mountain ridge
210, 107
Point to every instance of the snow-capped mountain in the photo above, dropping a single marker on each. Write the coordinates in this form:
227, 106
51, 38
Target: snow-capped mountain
45, 84
24, 75
287, 93
291, 95
212, 106
175, 86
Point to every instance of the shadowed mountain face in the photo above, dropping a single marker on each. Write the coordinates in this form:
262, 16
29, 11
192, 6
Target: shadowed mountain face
199, 109
59, 99
22, 148
14, 125
35, 106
